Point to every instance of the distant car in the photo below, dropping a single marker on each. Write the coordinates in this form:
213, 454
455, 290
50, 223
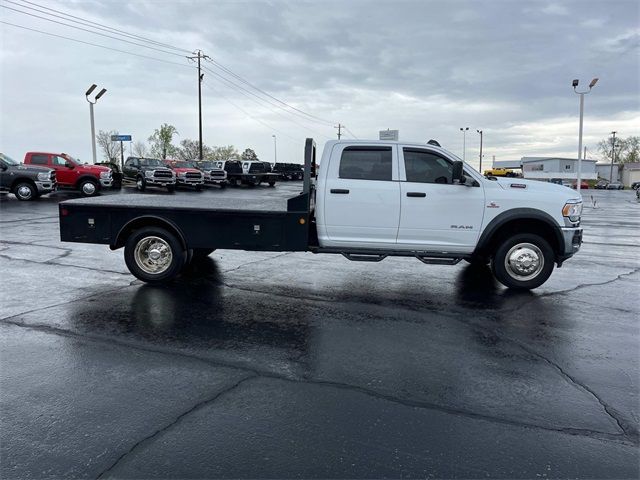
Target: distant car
602, 184
583, 185
635, 185
615, 186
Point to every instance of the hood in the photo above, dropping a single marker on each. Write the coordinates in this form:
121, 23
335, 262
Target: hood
94, 168
536, 186
32, 168
186, 170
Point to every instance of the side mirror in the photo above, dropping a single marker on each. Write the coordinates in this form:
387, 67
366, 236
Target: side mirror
458, 176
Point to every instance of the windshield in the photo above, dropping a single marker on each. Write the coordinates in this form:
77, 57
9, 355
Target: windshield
8, 160
151, 162
208, 165
183, 164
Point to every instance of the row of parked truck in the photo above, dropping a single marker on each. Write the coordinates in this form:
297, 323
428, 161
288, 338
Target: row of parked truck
42, 173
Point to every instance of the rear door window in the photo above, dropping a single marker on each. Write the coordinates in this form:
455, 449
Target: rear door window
39, 159
366, 163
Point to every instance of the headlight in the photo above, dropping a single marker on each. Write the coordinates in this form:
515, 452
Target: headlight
44, 176
105, 174
572, 211
149, 173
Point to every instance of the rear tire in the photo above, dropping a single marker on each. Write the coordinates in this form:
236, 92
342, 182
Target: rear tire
141, 184
25, 191
154, 255
272, 184
524, 261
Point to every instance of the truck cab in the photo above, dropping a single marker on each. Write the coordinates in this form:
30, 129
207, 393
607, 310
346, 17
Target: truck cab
71, 174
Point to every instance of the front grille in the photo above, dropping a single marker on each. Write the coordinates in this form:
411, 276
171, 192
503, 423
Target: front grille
162, 174
194, 176
218, 174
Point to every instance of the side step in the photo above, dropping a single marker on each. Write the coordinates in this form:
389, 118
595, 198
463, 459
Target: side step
363, 257
438, 260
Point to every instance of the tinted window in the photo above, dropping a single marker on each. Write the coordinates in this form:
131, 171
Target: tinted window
131, 162
426, 167
39, 159
366, 163
61, 161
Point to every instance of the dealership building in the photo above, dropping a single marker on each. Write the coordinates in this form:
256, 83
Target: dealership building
548, 168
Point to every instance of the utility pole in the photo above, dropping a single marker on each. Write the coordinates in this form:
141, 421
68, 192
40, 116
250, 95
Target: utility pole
339, 127
480, 167
199, 56
613, 155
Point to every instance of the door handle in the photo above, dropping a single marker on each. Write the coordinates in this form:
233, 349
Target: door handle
416, 194
339, 190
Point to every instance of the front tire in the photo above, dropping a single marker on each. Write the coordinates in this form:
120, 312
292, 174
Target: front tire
171, 188
154, 255
524, 261
141, 184
88, 188
25, 191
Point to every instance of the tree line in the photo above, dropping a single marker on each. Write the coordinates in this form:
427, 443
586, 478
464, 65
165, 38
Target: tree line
160, 145
624, 150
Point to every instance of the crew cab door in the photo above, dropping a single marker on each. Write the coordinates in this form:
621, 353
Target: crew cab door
436, 213
64, 174
361, 197
130, 169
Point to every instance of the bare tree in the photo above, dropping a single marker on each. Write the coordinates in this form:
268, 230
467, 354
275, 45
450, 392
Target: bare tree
139, 149
190, 150
223, 153
110, 149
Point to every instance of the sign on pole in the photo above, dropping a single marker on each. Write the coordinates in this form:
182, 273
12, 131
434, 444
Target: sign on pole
120, 138
389, 135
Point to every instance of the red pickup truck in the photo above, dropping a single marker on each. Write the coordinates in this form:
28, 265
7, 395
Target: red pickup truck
71, 174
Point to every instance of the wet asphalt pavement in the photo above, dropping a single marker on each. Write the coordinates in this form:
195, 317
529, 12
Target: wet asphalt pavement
271, 365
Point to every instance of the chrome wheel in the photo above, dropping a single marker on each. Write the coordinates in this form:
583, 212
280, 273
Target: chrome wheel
24, 192
139, 184
153, 255
88, 188
524, 261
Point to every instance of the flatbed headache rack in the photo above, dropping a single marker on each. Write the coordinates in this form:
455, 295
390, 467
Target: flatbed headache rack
255, 224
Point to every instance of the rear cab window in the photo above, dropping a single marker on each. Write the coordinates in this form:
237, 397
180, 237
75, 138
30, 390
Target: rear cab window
366, 163
39, 159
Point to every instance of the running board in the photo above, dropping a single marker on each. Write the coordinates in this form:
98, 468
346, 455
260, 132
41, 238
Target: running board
363, 257
439, 260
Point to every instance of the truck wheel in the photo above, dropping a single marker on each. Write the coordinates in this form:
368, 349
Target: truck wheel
171, 188
272, 184
25, 191
154, 255
88, 188
524, 261
198, 188
223, 186
141, 184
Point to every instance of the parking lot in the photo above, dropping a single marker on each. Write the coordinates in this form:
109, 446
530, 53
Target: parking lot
282, 365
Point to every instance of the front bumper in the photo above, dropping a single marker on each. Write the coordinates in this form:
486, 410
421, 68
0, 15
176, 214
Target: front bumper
45, 187
190, 181
159, 182
572, 241
106, 182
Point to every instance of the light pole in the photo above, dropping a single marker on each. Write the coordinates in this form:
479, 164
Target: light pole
582, 94
275, 150
464, 142
480, 167
613, 156
93, 128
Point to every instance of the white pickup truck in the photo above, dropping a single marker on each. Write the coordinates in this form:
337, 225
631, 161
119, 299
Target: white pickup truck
368, 200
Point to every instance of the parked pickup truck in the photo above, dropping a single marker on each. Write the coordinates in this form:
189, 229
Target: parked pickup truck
212, 174
371, 200
71, 174
288, 171
26, 182
187, 175
251, 173
148, 172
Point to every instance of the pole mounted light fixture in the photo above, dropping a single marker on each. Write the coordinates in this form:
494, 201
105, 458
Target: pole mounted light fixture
464, 142
91, 103
574, 84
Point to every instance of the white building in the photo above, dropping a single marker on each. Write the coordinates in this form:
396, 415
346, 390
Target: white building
547, 168
605, 171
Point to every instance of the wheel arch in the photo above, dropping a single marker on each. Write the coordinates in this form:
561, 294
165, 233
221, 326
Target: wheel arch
20, 180
87, 177
146, 221
520, 220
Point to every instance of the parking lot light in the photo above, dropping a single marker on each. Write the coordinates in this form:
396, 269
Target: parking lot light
582, 94
91, 103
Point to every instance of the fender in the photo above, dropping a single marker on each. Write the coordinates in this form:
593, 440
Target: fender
518, 214
87, 176
148, 220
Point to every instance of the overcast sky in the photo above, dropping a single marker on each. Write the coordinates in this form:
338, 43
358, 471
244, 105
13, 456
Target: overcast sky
425, 68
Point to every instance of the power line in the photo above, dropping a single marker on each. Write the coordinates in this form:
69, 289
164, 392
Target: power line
352, 134
246, 82
84, 21
95, 44
244, 92
90, 31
